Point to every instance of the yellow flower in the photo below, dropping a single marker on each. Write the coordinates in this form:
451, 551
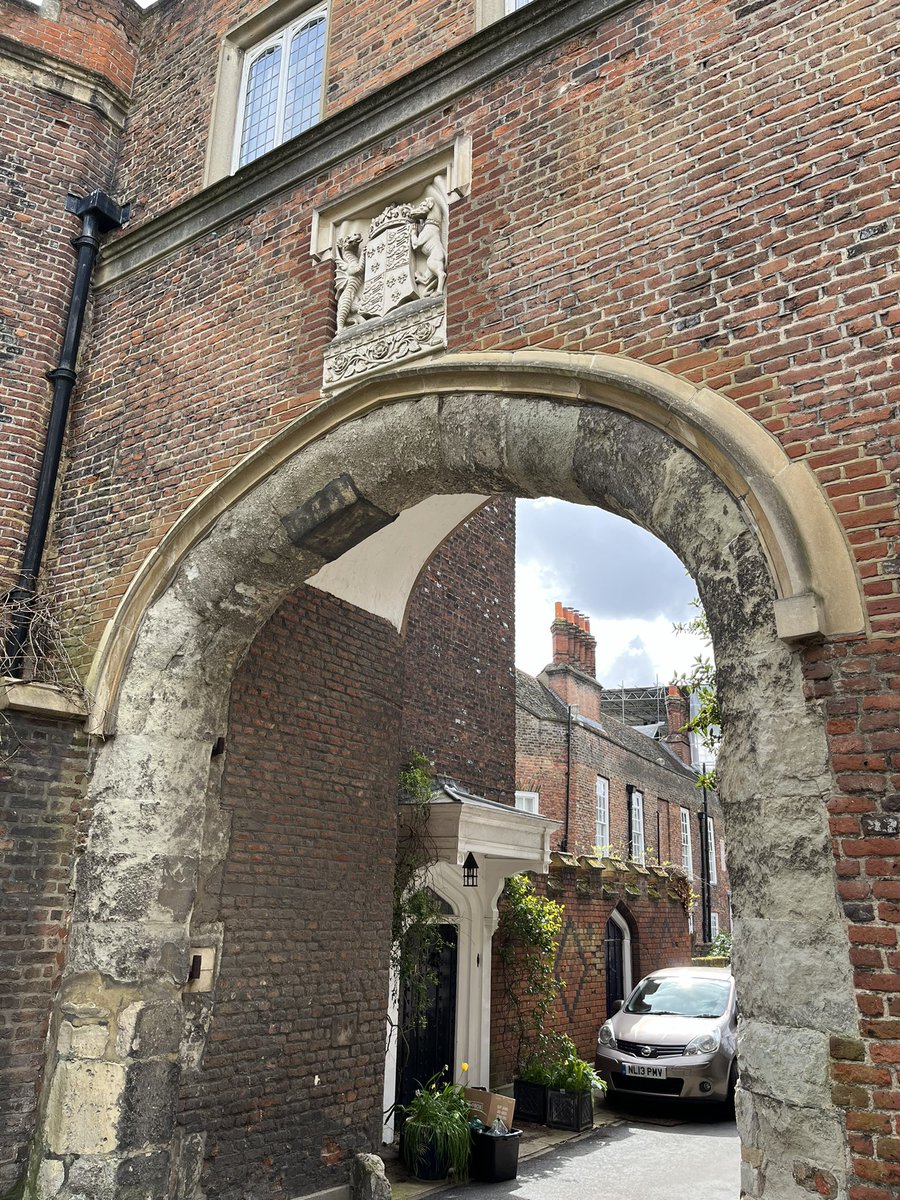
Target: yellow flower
465, 1066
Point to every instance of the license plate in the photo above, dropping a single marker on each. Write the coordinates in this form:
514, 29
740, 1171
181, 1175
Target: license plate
645, 1072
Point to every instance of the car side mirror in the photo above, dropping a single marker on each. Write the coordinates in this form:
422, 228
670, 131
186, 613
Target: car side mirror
617, 1006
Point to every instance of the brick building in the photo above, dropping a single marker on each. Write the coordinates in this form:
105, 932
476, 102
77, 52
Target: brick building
609, 785
363, 268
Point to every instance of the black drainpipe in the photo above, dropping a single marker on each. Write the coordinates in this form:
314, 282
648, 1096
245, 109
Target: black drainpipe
99, 214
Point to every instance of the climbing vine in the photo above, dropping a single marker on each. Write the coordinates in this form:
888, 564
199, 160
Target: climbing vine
700, 681
527, 941
416, 920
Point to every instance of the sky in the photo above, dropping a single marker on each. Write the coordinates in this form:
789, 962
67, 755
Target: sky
631, 586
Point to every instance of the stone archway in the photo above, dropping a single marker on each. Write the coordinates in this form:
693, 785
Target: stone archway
686, 465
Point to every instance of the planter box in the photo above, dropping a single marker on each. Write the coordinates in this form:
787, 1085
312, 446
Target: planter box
570, 1110
531, 1101
494, 1159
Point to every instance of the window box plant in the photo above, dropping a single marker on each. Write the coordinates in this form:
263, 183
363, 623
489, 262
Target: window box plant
570, 1100
434, 1140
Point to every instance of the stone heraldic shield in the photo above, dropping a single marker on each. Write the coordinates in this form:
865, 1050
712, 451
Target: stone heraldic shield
389, 272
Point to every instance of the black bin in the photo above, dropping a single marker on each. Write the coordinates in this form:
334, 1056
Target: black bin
494, 1157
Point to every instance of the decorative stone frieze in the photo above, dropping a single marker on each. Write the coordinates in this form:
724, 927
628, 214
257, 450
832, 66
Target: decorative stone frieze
415, 330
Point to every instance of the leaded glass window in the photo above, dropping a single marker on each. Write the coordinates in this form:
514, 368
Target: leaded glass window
281, 92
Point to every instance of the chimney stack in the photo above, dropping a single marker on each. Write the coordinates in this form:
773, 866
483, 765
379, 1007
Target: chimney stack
678, 714
572, 641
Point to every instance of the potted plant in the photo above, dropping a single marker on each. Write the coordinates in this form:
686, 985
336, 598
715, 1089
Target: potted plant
434, 1139
536, 1072
570, 1101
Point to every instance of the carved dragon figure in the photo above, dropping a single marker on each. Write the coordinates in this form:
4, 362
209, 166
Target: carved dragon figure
349, 267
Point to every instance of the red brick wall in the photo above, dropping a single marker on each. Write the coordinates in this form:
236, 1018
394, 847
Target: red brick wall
50, 146
858, 682
369, 44
459, 701
659, 938
43, 765
291, 1081
95, 35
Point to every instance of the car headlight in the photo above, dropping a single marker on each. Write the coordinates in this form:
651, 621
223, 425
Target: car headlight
606, 1037
704, 1043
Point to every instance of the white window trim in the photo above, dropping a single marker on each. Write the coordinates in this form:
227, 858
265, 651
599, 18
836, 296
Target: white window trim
221, 150
528, 802
637, 848
713, 926
687, 854
601, 804
488, 11
711, 847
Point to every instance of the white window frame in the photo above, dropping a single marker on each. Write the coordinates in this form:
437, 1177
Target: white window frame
687, 853
529, 802
711, 848
511, 6
239, 43
283, 37
713, 926
601, 813
488, 11
637, 848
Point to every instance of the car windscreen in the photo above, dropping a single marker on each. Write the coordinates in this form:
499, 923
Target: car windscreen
680, 997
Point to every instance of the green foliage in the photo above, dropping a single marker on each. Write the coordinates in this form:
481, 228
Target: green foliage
679, 885
438, 1114
545, 1053
416, 918
573, 1074
721, 946
527, 940
700, 681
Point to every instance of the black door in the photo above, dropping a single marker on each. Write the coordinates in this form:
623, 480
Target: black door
425, 1052
614, 944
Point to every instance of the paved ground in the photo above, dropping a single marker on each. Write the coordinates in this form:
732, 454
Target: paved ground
655, 1154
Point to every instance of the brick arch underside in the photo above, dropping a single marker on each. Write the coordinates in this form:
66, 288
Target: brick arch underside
153, 792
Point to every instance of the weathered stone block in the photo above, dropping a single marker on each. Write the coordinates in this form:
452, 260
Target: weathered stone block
146, 1175
792, 1064
367, 1179
148, 1108
50, 1178
84, 1107
82, 1041
148, 1030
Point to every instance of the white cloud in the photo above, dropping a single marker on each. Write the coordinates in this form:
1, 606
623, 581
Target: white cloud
627, 582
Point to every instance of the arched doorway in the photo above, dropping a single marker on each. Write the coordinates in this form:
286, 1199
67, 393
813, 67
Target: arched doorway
423, 448
618, 959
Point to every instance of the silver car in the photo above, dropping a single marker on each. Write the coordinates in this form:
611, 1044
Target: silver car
675, 1035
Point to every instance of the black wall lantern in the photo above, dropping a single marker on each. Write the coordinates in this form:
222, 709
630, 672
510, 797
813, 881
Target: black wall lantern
470, 871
